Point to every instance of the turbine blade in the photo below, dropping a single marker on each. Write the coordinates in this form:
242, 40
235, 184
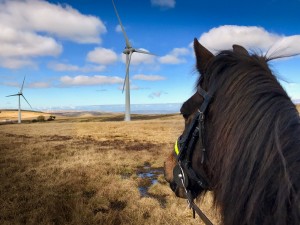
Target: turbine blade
124, 84
128, 59
128, 45
22, 85
144, 52
26, 100
12, 95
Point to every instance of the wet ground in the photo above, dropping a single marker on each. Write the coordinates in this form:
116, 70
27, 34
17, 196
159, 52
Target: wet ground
148, 177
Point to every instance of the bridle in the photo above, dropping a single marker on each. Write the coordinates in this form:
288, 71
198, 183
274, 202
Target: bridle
183, 172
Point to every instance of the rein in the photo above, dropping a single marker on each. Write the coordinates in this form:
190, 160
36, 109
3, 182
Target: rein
184, 147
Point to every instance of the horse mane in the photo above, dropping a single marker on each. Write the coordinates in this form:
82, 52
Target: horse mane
253, 142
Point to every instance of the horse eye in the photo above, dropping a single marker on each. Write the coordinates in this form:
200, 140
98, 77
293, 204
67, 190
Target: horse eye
185, 116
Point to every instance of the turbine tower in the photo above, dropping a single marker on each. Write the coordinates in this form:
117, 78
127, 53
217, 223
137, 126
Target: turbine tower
19, 94
128, 51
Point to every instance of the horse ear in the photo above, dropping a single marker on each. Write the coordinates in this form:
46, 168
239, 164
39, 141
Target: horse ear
203, 56
240, 49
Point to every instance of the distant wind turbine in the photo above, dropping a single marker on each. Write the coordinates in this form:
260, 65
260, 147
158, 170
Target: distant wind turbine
20, 93
129, 50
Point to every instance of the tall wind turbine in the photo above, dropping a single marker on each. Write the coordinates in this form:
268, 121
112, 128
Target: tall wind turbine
19, 94
128, 51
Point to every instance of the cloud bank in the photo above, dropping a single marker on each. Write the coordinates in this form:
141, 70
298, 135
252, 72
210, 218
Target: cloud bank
164, 3
148, 77
63, 67
82, 80
251, 37
102, 56
157, 94
175, 56
32, 28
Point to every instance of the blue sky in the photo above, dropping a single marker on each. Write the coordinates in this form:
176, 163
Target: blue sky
71, 51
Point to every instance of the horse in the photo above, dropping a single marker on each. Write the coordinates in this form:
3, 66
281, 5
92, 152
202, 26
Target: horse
241, 141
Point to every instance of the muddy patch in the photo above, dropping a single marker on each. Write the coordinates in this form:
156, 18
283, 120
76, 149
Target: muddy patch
147, 177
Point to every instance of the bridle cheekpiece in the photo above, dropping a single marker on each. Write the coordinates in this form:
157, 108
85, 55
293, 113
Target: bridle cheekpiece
183, 172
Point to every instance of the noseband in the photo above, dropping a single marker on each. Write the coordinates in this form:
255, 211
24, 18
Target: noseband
183, 172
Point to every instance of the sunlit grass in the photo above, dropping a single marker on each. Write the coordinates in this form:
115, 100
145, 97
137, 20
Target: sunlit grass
84, 170
71, 171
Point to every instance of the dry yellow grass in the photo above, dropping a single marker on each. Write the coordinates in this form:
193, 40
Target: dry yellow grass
72, 172
26, 115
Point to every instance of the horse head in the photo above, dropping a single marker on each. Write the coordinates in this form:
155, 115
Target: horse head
241, 141
189, 110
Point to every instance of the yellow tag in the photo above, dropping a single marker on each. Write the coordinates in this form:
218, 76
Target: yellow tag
176, 148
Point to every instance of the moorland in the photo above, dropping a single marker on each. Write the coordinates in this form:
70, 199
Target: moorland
90, 168
85, 168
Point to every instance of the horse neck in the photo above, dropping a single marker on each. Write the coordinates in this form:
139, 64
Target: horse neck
254, 150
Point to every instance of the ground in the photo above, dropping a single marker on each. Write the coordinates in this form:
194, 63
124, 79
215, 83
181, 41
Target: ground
91, 169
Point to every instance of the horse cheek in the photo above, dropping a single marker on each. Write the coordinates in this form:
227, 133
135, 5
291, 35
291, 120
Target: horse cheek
169, 165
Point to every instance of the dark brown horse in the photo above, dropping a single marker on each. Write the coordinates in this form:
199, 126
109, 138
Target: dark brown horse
248, 149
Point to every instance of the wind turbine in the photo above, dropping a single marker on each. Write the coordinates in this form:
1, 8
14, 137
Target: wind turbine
20, 93
128, 51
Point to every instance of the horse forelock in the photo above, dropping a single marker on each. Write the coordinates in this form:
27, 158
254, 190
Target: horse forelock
253, 141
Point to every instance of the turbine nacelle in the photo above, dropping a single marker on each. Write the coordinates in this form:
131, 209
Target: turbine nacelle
127, 51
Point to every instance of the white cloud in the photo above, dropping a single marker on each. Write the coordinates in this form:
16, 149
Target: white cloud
92, 68
39, 85
12, 84
59, 20
170, 59
29, 28
156, 94
180, 51
102, 56
23, 43
132, 87
63, 67
135, 87
164, 3
69, 67
175, 56
118, 28
82, 80
31, 85
16, 63
148, 77
101, 90
252, 38
140, 58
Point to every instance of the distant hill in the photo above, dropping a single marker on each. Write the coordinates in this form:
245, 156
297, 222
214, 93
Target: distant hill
8, 114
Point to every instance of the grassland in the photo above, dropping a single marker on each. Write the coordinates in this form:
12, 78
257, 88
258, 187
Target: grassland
85, 170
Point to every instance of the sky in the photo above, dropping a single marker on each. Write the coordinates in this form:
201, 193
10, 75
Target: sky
71, 50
